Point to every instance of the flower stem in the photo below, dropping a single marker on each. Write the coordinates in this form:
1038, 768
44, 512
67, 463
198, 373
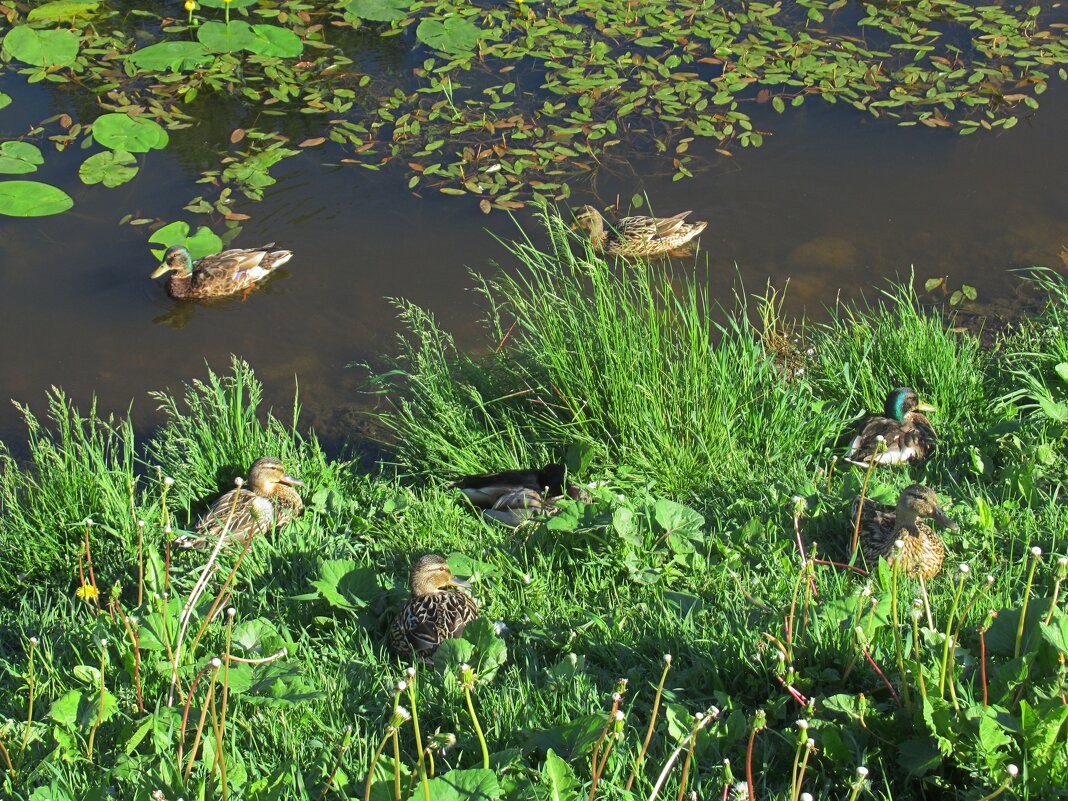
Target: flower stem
477, 727
31, 681
1023, 610
413, 696
949, 637
652, 725
100, 707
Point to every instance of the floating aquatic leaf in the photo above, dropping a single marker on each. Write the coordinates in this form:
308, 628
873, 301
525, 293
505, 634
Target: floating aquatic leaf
175, 56
202, 243
63, 10
32, 199
378, 10
453, 35
19, 158
223, 3
45, 48
227, 37
132, 134
110, 168
272, 40
5, 99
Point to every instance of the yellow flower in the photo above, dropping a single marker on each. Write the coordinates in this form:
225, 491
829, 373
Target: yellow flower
87, 592
190, 6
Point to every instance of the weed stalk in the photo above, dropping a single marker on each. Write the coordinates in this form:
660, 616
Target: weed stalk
1036, 554
640, 761
31, 683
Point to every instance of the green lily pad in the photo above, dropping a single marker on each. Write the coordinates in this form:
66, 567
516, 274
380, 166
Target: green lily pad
5, 99
227, 37
378, 10
453, 35
32, 199
203, 243
176, 56
273, 40
48, 48
222, 4
63, 10
110, 168
132, 134
19, 158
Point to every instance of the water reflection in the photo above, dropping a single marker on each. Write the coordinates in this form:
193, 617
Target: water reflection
834, 202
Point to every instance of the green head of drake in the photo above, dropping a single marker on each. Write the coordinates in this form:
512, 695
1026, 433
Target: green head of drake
902, 401
176, 259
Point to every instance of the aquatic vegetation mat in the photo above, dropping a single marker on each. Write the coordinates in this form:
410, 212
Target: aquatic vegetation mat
495, 101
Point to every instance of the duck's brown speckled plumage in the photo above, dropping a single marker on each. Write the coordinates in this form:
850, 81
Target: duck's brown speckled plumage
881, 525
433, 614
638, 236
908, 436
267, 501
221, 274
514, 496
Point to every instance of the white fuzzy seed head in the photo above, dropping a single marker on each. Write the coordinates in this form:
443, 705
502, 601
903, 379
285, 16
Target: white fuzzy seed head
1013, 771
216, 663
403, 713
168, 481
620, 716
411, 673
230, 611
1062, 561
402, 686
880, 438
862, 771
989, 579
104, 642
140, 523
802, 724
88, 521
859, 631
964, 568
667, 659
33, 641
1036, 552
806, 796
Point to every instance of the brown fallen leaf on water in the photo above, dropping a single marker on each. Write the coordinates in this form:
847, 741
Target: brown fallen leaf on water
237, 216
65, 121
485, 206
763, 96
237, 135
315, 141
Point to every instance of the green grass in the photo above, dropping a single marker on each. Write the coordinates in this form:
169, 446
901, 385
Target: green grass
664, 400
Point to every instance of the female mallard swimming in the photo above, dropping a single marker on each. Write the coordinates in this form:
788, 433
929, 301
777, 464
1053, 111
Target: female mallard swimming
221, 274
881, 525
432, 615
908, 436
638, 236
265, 502
513, 496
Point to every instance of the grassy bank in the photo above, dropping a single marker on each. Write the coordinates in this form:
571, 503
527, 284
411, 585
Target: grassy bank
714, 443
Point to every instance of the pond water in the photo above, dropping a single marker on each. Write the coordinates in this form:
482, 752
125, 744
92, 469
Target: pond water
835, 202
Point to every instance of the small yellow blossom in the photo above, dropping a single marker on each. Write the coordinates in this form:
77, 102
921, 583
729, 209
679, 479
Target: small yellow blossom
190, 6
87, 592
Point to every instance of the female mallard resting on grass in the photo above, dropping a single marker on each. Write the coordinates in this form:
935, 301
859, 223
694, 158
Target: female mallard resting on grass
512, 496
433, 615
881, 525
908, 436
221, 274
638, 236
265, 502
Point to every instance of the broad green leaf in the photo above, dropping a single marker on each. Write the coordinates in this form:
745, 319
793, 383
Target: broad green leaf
5, 99
64, 710
132, 134
258, 636
32, 199
675, 517
63, 10
204, 242
453, 35
1056, 633
19, 158
223, 4
45, 48
110, 168
345, 586
378, 10
559, 777
227, 38
177, 56
462, 785
1062, 371
272, 40
919, 755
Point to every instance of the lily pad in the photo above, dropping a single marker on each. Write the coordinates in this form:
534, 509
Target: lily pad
32, 199
378, 10
227, 37
19, 158
63, 10
48, 48
273, 40
110, 168
223, 4
203, 243
453, 35
5, 99
176, 56
132, 134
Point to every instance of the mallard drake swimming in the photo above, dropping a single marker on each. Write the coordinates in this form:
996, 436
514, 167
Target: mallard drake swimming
881, 525
908, 436
218, 275
266, 501
638, 236
513, 496
433, 615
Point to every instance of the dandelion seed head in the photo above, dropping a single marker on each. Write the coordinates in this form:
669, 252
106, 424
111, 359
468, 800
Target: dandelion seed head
33, 641
859, 631
411, 673
964, 568
230, 611
802, 724
140, 523
239, 482
864, 593
620, 716
403, 714
168, 481
667, 659
1062, 561
1012, 770
880, 438
989, 579
806, 796
216, 663
402, 686
862, 771
1036, 551
104, 642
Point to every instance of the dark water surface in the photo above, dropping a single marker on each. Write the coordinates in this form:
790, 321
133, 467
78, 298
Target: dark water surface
834, 201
